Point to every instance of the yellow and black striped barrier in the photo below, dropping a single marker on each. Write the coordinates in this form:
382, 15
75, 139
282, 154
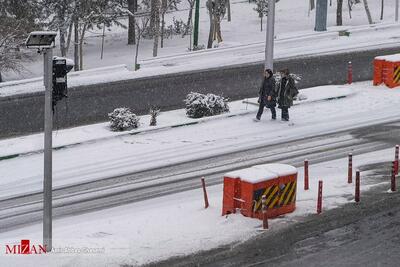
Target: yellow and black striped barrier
396, 74
276, 196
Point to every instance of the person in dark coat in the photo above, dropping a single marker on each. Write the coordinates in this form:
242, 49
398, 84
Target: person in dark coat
267, 95
287, 91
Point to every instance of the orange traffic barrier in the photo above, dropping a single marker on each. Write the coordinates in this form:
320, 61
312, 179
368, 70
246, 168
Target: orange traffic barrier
244, 189
387, 70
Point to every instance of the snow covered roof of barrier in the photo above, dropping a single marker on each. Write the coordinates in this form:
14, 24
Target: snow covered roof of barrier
252, 175
390, 58
279, 169
260, 173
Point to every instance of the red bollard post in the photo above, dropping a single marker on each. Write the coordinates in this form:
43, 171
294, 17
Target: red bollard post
396, 159
204, 192
350, 172
393, 179
306, 175
350, 73
264, 212
357, 193
319, 202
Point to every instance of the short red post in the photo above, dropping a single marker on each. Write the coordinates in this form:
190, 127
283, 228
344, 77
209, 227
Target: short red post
350, 73
319, 203
204, 192
264, 211
357, 193
350, 171
306, 175
393, 179
396, 159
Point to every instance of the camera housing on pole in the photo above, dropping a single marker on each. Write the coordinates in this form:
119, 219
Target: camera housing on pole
44, 42
61, 66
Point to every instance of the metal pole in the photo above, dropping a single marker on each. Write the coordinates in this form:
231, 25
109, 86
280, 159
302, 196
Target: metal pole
269, 43
48, 128
397, 11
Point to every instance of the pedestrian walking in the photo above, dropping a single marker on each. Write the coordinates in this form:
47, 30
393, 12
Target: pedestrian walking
267, 95
287, 91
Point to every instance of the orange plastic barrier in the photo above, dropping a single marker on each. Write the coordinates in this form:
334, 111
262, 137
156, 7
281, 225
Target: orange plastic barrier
243, 190
387, 70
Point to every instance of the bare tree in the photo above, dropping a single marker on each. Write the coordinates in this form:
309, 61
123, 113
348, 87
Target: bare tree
382, 5
217, 10
155, 24
132, 7
367, 12
190, 17
141, 25
339, 13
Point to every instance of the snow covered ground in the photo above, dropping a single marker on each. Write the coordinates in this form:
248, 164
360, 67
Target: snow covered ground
114, 156
243, 41
178, 224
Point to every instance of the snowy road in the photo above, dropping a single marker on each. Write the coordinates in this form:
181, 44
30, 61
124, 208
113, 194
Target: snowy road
70, 200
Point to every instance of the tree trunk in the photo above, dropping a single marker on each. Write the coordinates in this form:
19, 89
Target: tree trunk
137, 51
211, 33
76, 46
312, 4
162, 28
367, 11
81, 47
189, 20
69, 36
131, 23
156, 15
229, 9
382, 4
261, 24
339, 11
63, 49
1, 78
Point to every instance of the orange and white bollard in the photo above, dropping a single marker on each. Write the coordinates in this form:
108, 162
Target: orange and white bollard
203, 183
319, 201
396, 159
264, 211
306, 185
357, 193
350, 169
393, 178
350, 73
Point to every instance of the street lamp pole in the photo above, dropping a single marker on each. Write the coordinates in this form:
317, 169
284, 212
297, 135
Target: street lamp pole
269, 43
48, 158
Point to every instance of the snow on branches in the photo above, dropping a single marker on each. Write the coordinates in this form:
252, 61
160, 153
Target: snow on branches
200, 105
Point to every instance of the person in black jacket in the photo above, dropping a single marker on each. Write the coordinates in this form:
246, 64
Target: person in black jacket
267, 95
286, 93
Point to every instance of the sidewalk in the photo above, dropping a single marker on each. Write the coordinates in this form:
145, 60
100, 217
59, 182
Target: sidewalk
15, 147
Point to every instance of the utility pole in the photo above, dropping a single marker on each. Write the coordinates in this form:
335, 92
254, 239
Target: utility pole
196, 24
48, 158
397, 11
269, 43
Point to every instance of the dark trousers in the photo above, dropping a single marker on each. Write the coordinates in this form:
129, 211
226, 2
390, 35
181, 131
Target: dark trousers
261, 110
285, 113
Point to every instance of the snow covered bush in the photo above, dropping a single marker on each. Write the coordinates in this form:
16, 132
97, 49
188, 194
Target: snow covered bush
122, 119
200, 105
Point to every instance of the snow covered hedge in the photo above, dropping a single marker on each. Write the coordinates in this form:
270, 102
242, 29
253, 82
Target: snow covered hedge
200, 105
123, 119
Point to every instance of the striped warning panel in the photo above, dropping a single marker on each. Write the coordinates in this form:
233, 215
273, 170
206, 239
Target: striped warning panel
287, 194
276, 196
271, 193
396, 74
